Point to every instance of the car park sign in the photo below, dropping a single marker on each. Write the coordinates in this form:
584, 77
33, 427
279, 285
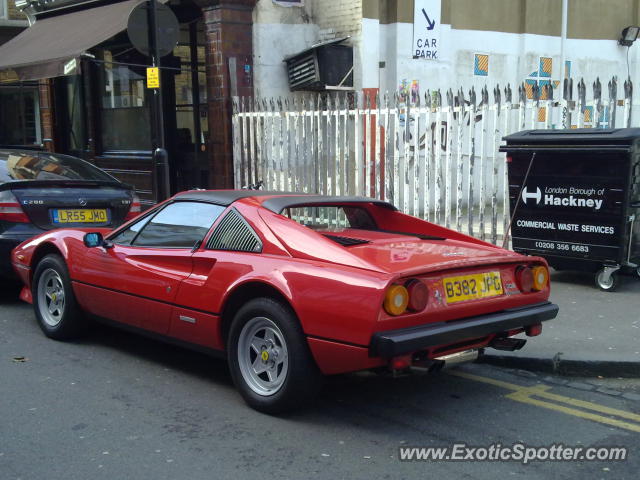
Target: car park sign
426, 29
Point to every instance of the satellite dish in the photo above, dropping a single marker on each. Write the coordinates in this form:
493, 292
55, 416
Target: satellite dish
138, 28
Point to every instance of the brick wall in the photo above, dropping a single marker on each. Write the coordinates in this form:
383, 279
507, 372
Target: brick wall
228, 34
13, 12
337, 18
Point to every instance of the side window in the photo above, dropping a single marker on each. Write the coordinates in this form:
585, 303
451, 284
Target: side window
126, 236
178, 225
234, 233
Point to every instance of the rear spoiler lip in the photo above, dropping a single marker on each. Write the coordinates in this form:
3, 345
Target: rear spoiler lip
452, 266
21, 184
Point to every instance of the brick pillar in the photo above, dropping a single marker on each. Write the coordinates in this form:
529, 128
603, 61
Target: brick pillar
229, 41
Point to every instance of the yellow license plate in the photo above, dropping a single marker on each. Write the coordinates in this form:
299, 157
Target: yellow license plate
471, 287
80, 215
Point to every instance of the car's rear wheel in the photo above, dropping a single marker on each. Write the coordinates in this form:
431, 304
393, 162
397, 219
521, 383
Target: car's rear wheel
269, 358
54, 303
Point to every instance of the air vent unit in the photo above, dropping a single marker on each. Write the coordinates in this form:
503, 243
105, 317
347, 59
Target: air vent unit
324, 66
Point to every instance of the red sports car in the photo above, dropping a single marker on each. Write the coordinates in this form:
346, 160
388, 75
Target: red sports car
288, 287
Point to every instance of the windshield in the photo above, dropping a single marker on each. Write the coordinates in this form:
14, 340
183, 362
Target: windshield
22, 165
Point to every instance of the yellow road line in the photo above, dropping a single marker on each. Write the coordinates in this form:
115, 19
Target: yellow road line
491, 381
523, 394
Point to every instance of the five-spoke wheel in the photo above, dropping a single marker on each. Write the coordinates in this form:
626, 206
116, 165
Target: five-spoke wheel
262, 356
54, 303
51, 297
269, 358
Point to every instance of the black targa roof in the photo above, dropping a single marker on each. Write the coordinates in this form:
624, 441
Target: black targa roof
280, 200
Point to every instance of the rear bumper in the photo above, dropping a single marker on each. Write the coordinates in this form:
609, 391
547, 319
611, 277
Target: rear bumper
407, 340
8, 243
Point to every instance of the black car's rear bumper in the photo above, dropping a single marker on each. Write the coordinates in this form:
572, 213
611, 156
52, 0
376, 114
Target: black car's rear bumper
407, 340
7, 243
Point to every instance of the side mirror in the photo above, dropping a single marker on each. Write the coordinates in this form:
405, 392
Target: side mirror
95, 239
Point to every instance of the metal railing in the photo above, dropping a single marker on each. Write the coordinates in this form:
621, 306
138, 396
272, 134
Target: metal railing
434, 156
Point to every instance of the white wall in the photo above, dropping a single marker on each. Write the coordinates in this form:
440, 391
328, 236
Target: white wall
512, 58
278, 32
281, 31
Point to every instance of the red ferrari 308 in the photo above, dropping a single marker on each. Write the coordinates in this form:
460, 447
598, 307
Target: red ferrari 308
288, 287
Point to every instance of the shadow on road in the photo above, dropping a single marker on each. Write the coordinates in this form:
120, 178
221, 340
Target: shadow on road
156, 351
629, 282
339, 395
9, 293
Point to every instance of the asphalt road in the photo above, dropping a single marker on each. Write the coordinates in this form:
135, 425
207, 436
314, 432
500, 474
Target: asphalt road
118, 406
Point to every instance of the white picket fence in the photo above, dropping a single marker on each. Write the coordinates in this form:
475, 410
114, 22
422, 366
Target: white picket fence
433, 156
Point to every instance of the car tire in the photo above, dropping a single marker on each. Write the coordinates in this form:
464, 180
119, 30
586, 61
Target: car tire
269, 358
54, 303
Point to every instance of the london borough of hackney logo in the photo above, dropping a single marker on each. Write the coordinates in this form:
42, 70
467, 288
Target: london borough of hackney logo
578, 197
526, 195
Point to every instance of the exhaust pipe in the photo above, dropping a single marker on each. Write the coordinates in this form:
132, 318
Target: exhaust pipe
458, 358
446, 361
507, 344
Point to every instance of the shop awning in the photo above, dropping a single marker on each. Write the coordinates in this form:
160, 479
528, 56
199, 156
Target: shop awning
52, 47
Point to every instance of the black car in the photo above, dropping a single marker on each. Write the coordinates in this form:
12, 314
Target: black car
40, 191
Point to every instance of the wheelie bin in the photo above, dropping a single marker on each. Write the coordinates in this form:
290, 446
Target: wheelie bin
575, 199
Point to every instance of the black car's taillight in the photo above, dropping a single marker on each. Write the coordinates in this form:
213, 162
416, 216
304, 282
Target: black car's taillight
10, 209
134, 209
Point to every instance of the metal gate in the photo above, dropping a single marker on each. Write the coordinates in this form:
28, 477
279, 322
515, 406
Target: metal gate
434, 156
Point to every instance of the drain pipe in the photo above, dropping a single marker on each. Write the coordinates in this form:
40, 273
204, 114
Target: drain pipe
563, 39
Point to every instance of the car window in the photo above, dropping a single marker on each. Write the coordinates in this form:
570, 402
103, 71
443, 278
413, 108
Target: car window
126, 236
178, 225
326, 217
22, 165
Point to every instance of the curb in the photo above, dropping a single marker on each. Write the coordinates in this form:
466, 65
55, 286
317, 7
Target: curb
565, 366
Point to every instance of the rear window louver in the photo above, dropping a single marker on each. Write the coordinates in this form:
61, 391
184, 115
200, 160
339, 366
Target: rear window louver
346, 241
234, 233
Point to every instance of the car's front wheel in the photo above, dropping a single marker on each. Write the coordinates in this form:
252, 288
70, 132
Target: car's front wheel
269, 358
54, 302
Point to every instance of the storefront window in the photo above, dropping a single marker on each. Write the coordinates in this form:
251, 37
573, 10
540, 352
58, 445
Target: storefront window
124, 105
74, 118
185, 98
191, 109
19, 115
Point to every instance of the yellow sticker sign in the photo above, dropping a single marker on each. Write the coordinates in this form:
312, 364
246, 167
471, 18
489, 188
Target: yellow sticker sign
153, 77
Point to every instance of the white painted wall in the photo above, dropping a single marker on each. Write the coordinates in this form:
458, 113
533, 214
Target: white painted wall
512, 58
278, 32
281, 31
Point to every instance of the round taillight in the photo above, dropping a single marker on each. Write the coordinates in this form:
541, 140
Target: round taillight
396, 300
524, 279
540, 277
418, 295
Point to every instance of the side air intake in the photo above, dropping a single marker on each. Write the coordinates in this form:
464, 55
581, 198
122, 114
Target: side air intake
234, 233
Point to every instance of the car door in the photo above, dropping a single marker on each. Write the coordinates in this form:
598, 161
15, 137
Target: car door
135, 281
228, 254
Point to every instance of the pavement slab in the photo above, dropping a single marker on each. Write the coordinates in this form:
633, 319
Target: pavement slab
595, 333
